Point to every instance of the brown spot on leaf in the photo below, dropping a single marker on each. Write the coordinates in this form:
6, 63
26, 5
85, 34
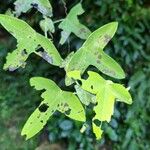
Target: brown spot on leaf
98, 61
107, 38
80, 111
68, 112
99, 56
96, 53
82, 30
66, 105
38, 116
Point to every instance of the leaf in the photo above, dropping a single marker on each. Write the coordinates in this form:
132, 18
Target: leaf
121, 93
71, 24
91, 53
106, 91
47, 25
43, 6
97, 131
53, 99
28, 42
105, 107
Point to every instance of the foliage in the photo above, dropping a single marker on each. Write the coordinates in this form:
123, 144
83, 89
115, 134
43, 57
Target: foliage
65, 101
130, 47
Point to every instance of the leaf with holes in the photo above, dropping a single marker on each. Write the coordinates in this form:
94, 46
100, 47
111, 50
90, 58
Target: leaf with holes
106, 92
71, 24
53, 99
43, 6
91, 53
29, 42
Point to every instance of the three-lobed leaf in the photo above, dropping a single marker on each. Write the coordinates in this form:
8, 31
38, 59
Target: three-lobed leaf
28, 41
53, 99
91, 53
71, 24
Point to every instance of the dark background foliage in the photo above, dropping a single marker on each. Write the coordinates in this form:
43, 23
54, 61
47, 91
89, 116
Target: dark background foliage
129, 128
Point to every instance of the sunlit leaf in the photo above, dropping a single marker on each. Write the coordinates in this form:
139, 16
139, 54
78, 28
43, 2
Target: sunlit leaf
28, 41
71, 24
53, 99
106, 92
97, 131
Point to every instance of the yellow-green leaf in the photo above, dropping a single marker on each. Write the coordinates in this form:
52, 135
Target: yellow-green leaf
53, 99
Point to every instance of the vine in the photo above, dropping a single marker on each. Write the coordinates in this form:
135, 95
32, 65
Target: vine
95, 89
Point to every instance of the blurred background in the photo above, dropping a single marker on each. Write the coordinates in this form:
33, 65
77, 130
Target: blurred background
129, 128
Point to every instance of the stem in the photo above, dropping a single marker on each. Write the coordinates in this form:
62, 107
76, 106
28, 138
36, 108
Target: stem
57, 21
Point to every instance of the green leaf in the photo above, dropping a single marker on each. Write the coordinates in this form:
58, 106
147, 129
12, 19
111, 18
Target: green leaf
106, 91
97, 131
121, 93
43, 6
71, 24
53, 99
105, 107
28, 42
91, 53
47, 25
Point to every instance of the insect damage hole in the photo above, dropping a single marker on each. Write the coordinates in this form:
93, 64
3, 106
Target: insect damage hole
43, 107
97, 122
79, 82
68, 112
34, 5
